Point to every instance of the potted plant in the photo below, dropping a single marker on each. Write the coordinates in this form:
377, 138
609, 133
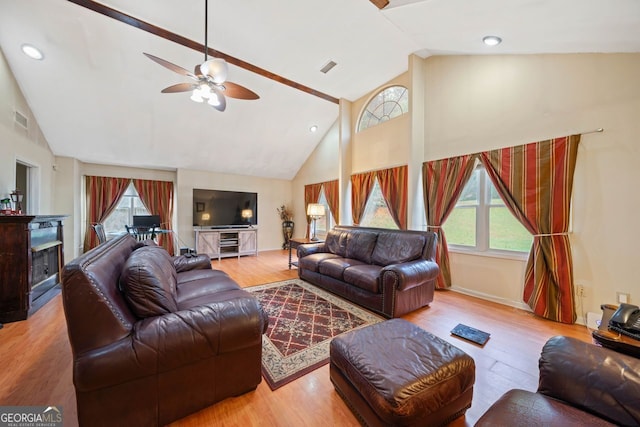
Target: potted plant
286, 216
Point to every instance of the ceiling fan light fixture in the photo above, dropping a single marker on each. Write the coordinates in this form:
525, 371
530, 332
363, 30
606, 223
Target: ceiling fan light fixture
196, 97
214, 101
215, 68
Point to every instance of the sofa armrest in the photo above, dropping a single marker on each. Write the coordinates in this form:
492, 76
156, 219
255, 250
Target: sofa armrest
410, 274
311, 248
592, 378
167, 342
191, 262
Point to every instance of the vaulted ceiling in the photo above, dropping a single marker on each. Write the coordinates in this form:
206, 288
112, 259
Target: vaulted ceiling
97, 98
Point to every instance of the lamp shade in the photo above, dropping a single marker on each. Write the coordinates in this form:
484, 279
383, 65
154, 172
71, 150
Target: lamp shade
246, 213
315, 209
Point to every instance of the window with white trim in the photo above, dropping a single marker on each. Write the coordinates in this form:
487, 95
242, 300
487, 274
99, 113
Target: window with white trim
376, 212
481, 222
130, 204
325, 223
387, 104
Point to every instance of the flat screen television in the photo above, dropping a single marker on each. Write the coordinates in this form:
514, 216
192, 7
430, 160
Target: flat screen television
218, 208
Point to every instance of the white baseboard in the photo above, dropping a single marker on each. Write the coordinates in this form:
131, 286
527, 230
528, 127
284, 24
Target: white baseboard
516, 304
580, 320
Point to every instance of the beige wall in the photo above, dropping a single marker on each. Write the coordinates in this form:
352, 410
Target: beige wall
272, 193
383, 146
475, 103
321, 166
24, 145
27, 146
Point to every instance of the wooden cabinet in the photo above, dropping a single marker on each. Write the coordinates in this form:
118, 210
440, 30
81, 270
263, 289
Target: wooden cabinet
208, 243
31, 259
221, 243
247, 242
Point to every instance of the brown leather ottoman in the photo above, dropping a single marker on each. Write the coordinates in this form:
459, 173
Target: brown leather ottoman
395, 374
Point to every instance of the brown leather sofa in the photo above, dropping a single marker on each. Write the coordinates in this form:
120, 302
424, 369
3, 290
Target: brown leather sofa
580, 384
156, 337
391, 272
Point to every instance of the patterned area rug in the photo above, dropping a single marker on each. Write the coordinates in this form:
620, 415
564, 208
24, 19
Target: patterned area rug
302, 321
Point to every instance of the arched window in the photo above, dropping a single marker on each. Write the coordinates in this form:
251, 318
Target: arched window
387, 104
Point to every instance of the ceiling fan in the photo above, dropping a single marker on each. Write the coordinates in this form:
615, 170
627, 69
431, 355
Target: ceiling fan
210, 78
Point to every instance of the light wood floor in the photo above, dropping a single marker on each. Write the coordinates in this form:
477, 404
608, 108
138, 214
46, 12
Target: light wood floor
36, 358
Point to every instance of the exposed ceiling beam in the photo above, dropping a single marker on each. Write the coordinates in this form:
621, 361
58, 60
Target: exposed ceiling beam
380, 4
176, 38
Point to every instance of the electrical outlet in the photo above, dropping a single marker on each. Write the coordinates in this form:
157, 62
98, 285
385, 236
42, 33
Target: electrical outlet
622, 298
580, 291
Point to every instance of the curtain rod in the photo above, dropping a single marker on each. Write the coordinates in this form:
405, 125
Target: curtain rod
599, 130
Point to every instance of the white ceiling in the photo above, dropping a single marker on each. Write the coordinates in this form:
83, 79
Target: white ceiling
97, 98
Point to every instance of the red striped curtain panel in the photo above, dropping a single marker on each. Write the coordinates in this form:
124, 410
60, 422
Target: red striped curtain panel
157, 197
361, 186
443, 181
102, 197
311, 195
393, 184
536, 181
332, 193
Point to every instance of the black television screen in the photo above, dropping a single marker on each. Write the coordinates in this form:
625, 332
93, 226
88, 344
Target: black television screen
217, 208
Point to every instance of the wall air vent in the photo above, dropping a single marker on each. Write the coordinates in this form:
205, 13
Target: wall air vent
328, 66
21, 119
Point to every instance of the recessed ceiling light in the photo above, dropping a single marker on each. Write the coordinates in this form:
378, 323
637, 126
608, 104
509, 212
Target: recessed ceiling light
492, 40
32, 51
313, 128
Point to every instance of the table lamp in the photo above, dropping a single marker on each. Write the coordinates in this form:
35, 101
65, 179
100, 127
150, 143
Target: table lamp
16, 197
247, 214
315, 211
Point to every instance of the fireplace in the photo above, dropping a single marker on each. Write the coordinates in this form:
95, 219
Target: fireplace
31, 258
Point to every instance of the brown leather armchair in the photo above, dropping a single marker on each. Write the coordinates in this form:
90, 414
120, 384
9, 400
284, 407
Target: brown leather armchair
580, 384
156, 337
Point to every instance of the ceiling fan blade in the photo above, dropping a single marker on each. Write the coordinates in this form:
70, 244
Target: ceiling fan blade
234, 90
173, 67
180, 87
197, 72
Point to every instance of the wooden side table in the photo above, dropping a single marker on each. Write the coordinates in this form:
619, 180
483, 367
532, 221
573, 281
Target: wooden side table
294, 243
617, 342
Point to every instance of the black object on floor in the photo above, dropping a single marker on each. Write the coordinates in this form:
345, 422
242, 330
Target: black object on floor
468, 333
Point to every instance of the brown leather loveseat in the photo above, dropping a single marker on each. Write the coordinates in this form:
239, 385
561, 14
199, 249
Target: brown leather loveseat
580, 384
391, 272
156, 337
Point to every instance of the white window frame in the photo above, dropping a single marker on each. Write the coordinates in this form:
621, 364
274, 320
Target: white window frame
327, 219
132, 194
366, 205
384, 117
482, 224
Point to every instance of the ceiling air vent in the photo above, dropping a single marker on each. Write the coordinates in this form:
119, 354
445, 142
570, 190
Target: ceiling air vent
328, 66
21, 119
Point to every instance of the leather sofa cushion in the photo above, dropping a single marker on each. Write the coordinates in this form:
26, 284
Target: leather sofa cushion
360, 245
204, 286
394, 248
191, 275
524, 408
148, 281
336, 242
334, 267
312, 262
366, 276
